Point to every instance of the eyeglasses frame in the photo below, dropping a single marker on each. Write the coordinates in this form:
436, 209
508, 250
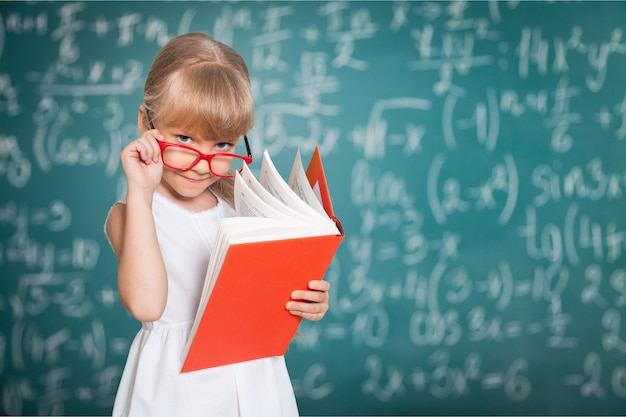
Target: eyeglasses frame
201, 156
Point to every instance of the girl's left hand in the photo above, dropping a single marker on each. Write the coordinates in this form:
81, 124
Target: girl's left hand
310, 304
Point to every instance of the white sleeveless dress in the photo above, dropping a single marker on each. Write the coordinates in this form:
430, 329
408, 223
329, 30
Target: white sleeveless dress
152, 384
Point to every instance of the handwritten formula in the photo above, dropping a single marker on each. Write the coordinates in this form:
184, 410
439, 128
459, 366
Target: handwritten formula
475, 154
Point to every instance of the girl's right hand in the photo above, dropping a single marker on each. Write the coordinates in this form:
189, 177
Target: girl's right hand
141, 161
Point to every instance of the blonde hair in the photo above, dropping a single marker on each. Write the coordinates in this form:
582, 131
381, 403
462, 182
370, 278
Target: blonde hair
201, 84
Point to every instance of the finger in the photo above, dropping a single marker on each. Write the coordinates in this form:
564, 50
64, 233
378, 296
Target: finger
156, 133
310, 296
152, 137
319, 285
310, 311
147, 149
318, 292
307, 316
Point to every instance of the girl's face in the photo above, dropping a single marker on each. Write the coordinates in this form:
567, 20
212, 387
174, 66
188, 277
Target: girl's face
189, 185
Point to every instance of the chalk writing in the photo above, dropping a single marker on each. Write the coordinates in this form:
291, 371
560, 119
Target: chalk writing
474, 152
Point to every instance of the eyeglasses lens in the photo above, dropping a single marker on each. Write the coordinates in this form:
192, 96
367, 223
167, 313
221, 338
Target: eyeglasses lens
179, 158
183, 159
226, 165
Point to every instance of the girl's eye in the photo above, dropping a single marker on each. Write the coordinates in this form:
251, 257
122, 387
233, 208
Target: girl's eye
224, 146
185, 140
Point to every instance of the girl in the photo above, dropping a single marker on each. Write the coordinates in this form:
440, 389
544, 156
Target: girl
197, 103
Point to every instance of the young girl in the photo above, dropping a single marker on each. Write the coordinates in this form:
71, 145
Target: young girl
197, 104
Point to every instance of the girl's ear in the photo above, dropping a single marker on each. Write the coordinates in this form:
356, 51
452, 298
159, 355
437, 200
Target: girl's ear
142, 120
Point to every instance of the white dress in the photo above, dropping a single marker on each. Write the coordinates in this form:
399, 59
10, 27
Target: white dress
152, 384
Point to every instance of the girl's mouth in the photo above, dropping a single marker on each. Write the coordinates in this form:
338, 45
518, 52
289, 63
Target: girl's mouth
194, 180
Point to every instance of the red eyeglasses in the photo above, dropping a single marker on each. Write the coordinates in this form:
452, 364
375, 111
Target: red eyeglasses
183, 158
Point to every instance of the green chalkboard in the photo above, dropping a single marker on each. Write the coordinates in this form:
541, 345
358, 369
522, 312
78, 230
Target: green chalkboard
476, 153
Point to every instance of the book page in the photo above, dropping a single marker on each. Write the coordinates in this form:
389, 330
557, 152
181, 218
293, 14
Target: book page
299, 183
276, 185
266, 196
268, 222
249, 204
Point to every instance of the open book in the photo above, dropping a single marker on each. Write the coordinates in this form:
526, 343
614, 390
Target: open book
285, 234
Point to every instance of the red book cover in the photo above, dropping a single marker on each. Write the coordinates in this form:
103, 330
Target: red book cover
317, 179
245, 317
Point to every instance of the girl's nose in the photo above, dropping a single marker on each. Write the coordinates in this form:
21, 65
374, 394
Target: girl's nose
203, 166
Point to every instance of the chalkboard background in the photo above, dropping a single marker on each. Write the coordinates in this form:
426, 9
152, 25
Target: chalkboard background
476, 155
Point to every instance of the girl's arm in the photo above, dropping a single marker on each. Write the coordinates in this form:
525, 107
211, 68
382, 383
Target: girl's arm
311, 304
141, 276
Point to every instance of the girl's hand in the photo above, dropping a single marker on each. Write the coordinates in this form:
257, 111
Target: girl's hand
310, 304
141, 161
